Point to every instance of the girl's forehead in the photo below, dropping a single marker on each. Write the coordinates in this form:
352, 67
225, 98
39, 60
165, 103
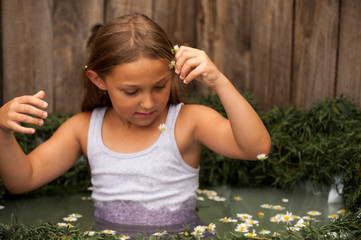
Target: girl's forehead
141, 70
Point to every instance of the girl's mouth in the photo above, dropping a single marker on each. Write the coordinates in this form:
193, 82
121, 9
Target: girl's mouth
144, 115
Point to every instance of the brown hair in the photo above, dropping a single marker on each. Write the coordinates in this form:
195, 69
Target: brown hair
124, 40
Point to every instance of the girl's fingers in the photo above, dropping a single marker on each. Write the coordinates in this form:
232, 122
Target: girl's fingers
32, 100
18, 128
23, 118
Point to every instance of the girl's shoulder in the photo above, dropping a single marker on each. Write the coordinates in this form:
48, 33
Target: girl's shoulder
197, 111
79, 123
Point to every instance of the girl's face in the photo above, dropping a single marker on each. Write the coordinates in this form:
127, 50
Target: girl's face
139, 90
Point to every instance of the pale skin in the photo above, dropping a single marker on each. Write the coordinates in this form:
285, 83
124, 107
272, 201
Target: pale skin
139, 92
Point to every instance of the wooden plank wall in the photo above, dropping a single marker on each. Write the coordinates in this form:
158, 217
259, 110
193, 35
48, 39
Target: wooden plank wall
286, 52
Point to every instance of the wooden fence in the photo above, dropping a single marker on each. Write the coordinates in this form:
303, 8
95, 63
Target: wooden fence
286, 52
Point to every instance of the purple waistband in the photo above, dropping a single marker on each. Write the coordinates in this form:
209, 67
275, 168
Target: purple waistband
134, 213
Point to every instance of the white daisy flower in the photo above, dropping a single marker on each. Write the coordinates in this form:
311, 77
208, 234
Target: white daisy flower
175, 49
242, 227
244, 216
276, 218
2, 207
65, 225
124, 237
211, 228
200, 198
160, 233
172, 64
260, 214
75, 215
301, 223
111, 232
90, 188
226, 219
162, 127
294, 228
198, 231
251, 234
314, 213
278, 207
262, 157
218, 199
287, 218
342, 211
264, 232
266, 205
237, 198
284, 200
251, 222
70, 219
333, 216
89, 233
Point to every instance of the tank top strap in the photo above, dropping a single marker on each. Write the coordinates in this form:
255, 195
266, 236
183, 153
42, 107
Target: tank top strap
172, 115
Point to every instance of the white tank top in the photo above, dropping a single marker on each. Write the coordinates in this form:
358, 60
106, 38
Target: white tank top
150, 187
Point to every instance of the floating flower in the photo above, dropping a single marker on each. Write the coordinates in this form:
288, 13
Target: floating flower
65, 225
158, 234
184, 233
301, 223
70, 219
266, 205
244, 216
278, 207
75, 215
251, 234
217, 198
89, 233
294, 228
342, 211
109, 232
262, 157
275, 219
237, 198
251, 222
264, 232
225, 219
242, 227
211, 228
175, 49
162, 127
314, 213
333, 216
287, 218
198, 231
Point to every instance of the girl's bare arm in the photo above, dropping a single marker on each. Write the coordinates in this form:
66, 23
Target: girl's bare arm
20, 172
242, 135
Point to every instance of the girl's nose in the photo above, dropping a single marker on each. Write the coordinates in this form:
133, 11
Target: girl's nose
147, 101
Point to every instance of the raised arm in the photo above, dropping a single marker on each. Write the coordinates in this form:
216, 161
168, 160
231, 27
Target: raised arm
243, 135
20, 172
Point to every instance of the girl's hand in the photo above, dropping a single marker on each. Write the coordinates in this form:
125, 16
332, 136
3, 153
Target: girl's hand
19, 110
193, 63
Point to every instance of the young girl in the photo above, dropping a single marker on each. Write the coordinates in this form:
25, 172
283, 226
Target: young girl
142, 143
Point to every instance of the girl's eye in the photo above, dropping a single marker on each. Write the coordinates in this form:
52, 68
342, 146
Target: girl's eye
130, 92
160, 87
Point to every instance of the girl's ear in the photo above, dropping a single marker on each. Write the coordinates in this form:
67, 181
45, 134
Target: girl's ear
94, 77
